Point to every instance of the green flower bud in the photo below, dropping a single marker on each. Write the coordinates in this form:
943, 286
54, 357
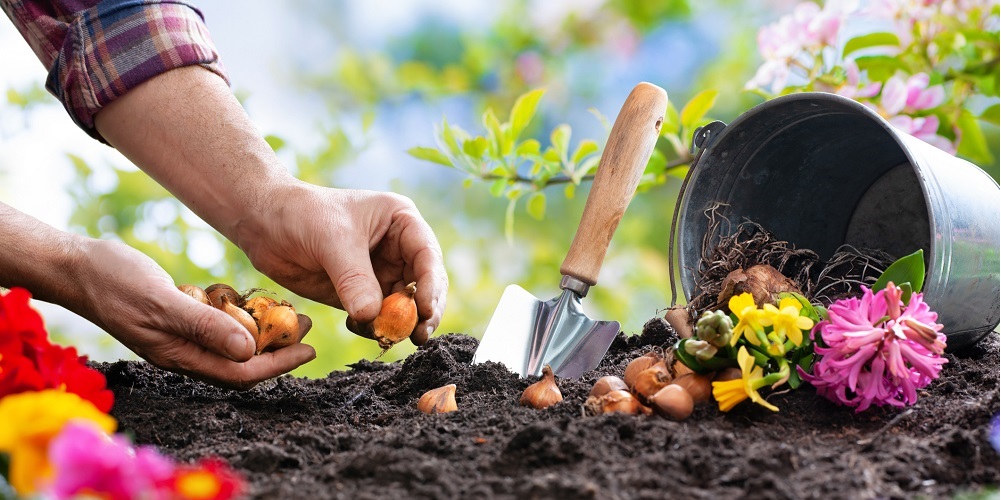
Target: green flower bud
701, 349
714, 327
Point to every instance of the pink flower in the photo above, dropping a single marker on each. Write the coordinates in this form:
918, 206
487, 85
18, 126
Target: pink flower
89, 462
924, 128
798, 39
878, 350
912, 95
852, 88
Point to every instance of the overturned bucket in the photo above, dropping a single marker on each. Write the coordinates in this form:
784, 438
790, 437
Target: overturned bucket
820, 170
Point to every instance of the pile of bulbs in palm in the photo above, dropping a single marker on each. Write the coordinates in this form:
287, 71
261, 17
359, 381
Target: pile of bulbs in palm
273, 324
768, 318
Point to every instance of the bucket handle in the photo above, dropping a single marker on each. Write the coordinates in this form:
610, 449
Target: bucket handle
702, 138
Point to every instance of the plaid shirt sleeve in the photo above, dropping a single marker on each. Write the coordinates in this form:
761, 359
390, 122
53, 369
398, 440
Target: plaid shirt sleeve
96, 51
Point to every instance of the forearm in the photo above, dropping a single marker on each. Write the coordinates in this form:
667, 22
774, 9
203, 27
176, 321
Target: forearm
186, 130
38, 257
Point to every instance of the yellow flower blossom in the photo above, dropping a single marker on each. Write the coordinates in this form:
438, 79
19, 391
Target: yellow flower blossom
787, 322
731, 392
32, 419
750, 319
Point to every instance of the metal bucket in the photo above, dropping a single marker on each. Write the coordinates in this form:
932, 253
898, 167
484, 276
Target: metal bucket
820, 170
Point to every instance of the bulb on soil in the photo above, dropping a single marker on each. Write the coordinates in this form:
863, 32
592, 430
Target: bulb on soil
698, 386
543, 393
196, 293
673, 402
651, 380
395, 322
681, 369
217, 291
614, 402
279, 328
638, 365
242, 317
606, 384
440, 400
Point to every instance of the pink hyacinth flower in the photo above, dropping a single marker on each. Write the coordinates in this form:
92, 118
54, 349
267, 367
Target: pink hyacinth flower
89, 462
879, 350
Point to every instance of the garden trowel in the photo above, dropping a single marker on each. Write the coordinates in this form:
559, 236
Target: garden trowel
526, 333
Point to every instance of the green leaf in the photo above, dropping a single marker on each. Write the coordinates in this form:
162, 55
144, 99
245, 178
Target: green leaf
586, 147
494, 131
880, 68
16, 98
475, 147
523, 111
529, 147
448, 137
672, 122
601, 118
990, 115
906, 292
794, 380
972, 144
429, 154
560, 137
698, 107
907, 269
497, 187
879, 39
536, 205
276, 143
82, 169
467, 182
657, 163
570, 191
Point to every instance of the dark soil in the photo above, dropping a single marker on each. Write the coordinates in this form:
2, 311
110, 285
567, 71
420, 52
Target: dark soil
358, 434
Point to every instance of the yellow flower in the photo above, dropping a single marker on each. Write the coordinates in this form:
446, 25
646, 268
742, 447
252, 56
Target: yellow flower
731, 392
750, 319
786, 320
30, 421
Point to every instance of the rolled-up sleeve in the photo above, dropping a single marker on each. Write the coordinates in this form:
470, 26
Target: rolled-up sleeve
96, 51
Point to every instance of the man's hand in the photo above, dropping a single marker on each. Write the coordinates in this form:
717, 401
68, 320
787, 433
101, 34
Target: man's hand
340, 247
349, 249
128, 295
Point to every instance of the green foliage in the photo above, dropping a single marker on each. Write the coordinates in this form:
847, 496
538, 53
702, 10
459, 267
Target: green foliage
907, 272
514, 167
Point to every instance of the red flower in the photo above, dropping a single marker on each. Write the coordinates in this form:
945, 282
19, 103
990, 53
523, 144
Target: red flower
62, 367
18, 319
28, 362
210, 479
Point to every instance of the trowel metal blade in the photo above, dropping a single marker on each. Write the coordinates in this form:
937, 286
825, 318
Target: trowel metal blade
525, 334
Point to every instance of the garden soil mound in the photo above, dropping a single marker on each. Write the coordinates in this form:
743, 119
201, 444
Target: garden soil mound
358, 434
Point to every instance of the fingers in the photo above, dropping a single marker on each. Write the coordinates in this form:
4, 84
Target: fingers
204, 365
305, 324
208, 327
349, 267
420, 248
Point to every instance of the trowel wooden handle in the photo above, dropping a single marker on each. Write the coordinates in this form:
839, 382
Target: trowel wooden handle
622, 163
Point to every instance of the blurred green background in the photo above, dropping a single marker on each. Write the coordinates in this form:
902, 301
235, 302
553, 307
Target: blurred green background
343, 89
